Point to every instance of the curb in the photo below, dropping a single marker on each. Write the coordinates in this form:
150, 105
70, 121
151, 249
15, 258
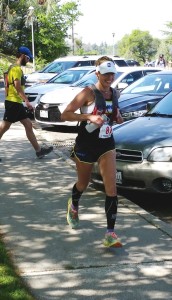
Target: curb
151, 219
159, 224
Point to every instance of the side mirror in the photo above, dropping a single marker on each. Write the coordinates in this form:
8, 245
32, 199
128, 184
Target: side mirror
150, 105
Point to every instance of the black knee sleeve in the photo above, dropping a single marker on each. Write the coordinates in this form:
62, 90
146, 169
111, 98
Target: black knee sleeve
111, 205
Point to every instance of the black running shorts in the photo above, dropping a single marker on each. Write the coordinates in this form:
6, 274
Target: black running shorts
14, 112
89, 156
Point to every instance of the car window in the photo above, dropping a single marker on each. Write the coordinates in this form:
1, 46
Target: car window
58, 67
146, 72
130, 78
150, 86
154, 83
120, 62
119, 73
164, 106
68, 77
83, 63
87, 80
132, 62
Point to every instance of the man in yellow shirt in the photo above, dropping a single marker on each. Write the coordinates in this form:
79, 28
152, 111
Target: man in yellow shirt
15, 96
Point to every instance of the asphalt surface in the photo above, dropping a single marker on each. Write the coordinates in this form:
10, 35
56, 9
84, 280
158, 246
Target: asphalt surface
61, 263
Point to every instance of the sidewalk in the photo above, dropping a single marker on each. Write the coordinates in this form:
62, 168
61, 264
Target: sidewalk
60, 263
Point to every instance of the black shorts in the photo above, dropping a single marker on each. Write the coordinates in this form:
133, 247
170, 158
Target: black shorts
89, 147
89, 156
14, 112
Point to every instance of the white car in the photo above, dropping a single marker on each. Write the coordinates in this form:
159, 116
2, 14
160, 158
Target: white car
58, 66
61, 64
52, 104
64, 79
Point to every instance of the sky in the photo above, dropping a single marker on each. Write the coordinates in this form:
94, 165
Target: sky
101, 18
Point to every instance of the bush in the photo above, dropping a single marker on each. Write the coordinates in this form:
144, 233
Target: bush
5, 62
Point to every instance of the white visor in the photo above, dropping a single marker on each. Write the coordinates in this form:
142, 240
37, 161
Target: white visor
106, 67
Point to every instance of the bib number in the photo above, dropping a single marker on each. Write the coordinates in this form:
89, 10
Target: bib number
105, 131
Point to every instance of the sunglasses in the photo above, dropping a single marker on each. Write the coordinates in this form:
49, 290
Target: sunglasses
28, 58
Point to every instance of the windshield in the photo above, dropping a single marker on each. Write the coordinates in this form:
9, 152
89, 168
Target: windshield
90, 79
87, 80
163, 107
68, 76
58, 66
153, 84
120, 62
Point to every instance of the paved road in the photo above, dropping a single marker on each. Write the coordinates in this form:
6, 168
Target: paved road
60, 263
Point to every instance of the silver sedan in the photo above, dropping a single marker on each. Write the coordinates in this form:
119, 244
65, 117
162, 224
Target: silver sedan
144, 151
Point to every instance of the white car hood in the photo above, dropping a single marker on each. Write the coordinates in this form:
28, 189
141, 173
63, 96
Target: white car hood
61, 95
43, 88
36, 76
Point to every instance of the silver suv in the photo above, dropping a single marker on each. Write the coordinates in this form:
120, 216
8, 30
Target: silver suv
61, 64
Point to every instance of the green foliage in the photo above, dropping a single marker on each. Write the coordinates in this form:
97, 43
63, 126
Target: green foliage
50, 22
40, 62
12, 287
71, 12
50, 34
166, 47
3, 67
5, 61
139, 45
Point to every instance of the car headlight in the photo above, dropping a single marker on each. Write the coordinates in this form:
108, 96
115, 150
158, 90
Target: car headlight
161, 154
46, 105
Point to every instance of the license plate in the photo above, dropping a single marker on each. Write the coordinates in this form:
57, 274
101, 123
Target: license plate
118, 177
43, 113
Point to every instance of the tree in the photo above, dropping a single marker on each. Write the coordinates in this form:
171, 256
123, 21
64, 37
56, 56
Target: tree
79, 47
51, 25
168, 33
139, 45
50, 34
166, 47
72, 14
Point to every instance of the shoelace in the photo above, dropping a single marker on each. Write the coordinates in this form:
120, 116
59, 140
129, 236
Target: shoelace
112, 234
74, 213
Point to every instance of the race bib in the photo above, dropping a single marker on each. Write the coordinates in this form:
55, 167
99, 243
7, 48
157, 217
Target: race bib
105, 131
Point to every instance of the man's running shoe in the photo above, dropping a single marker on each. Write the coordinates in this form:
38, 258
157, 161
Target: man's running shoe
72, 215
111, 240
44, 151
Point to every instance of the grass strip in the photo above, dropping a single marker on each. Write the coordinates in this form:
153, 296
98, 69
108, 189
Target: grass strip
12, 287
